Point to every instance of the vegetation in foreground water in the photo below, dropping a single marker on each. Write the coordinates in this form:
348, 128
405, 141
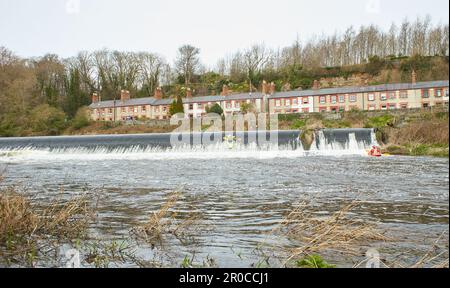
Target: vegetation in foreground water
32, 233
314, 261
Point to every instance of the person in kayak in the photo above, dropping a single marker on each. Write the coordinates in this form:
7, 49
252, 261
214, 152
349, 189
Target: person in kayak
375, 151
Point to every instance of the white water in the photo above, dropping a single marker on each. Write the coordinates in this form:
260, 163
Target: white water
352, 147
320, 147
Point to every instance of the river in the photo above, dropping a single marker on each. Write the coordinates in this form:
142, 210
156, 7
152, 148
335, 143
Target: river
241, 193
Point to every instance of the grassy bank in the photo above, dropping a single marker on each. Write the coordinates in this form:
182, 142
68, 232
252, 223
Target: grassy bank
414, 133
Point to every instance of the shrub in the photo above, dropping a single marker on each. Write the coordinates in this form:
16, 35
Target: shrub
380, 121
81, 118
47, 120
215, 109
313, 261
298, 124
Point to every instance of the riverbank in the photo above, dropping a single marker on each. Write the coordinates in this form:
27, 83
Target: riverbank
407, 133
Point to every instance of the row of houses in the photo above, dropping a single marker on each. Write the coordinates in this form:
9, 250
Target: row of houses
381, 97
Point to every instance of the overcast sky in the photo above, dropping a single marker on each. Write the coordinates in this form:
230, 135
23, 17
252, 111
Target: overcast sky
64, 27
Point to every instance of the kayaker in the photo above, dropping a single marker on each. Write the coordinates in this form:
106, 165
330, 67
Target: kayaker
375, 151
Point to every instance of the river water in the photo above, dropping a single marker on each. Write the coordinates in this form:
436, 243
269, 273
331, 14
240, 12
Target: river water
241, 193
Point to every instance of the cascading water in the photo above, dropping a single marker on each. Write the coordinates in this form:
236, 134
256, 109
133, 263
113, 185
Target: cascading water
330, 142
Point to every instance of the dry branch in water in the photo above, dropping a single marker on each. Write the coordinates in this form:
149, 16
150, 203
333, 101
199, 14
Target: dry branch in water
163, 222
27, 228
335, 233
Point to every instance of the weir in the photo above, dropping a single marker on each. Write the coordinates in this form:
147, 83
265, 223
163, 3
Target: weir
326, 142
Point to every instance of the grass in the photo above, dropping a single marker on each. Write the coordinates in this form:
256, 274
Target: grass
165, 221
27, 229
386, 120
159, 222
314, 261
337, 233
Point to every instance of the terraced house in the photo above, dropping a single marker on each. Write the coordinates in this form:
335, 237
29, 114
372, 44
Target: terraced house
379, 97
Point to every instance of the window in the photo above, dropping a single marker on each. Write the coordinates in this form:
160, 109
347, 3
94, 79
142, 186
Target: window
372, 107
295, 101
305, 100
191, 106
237, 104
438, 93
333, 99
392, 95
404, 105
341, 109
403, 94
228, 105
352, 98
384, 107
383, 96
165, 109
323, 100
124, 109
392, 106
135, 109
425, 93
278, 103
334, 109
110, 110
323, 109
425, 105
371, 97
143, 109
200, 106
288, 102
157, 109
341, 98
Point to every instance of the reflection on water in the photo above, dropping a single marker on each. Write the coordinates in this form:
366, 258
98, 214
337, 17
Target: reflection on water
241, 200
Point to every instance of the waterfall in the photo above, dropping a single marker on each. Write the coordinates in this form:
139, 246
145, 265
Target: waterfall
329, 142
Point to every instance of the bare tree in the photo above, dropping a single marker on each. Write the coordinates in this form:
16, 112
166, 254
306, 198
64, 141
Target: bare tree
254, 60
151, 68
187, 62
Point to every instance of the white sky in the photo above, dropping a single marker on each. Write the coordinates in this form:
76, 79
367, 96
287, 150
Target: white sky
34, 28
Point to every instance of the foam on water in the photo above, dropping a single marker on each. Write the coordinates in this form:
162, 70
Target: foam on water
327, 143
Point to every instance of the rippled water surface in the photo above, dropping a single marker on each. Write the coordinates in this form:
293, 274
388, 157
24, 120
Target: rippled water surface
241, 200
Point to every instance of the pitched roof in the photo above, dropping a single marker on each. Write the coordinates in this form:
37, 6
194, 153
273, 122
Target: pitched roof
362, 89
258, 95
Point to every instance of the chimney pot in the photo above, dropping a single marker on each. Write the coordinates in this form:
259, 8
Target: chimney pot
125, 95
414, 77
273, 88
158, 93
316, 85
188, 93
225, 91
264, 88
95, 98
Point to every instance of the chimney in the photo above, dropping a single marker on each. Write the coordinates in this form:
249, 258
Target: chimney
158, 93
264, 87
125, 95
188, 93
316, 85
95, 98
414, 77
273, 88
225, 91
